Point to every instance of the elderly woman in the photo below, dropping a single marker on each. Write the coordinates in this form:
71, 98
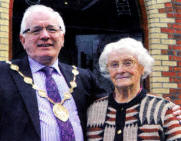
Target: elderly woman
129, 113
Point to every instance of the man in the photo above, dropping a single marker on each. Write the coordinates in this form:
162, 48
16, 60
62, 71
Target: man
27, 113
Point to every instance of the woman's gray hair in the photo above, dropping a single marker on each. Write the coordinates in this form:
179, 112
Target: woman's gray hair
129, 45
40, 8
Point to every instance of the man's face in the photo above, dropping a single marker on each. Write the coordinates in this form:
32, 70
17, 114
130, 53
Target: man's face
44, 39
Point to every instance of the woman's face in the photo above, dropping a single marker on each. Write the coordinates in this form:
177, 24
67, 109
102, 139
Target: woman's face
124, 69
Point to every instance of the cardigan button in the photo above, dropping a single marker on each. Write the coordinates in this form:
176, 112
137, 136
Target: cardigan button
119, 131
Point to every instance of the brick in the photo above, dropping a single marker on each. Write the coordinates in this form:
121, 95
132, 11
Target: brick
178, 74
178, 63
4, 16
160, 68
177, 36
156, 74
179, 95
167, 74
168, 4
176, 26
158, 35
177, 6
4, 10
170, 36
4, 28
4, 1
154, 20
169, 85
154, 11
150, 25
169, 63
151, 2
154, 41
178, 53
160, 79
157, 63
167, 20
167, 30
175, 80
170, 15
160, 57
170, 25
154, 30
5, 5
168, 41
155, 52
156, 85
178, 42
163, 10
4, 47
166, 10
168, 52
4, 58
4, 40
176, 92
4, 53
175, 47
4, 22
176, 0
178, 102
177, 15
164, 52
178, 20
159, 90
178, 31
3, 34
179, 85
156, 6
177, 69
178, 10
159, 15
176, 58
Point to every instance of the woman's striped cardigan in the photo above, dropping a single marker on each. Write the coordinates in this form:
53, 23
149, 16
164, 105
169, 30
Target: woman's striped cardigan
146, 117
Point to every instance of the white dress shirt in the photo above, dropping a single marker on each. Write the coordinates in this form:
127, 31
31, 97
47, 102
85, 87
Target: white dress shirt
48, 124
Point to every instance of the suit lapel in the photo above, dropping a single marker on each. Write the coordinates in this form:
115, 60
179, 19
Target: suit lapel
27, 92
68, 75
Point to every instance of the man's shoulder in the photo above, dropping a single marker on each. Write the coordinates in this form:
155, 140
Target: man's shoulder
4, 65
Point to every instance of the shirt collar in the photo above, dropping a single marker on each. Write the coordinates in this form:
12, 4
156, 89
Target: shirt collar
36, 66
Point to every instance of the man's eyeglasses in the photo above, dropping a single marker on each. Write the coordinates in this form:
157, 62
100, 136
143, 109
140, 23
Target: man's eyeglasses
127, 64
36, 30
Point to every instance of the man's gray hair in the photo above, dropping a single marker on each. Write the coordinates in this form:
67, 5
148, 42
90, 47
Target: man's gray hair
40, 8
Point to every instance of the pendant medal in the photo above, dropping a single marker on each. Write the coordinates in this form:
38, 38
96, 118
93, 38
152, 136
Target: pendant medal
60, 112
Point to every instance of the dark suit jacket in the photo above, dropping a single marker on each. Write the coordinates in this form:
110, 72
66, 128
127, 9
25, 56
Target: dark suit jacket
19, 116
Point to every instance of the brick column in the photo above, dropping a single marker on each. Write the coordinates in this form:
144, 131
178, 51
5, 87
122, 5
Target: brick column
164, 27
4, 29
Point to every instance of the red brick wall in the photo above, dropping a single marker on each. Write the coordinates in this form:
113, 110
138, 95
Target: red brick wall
170, 16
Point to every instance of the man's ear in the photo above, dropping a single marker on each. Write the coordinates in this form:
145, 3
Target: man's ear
22, 40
